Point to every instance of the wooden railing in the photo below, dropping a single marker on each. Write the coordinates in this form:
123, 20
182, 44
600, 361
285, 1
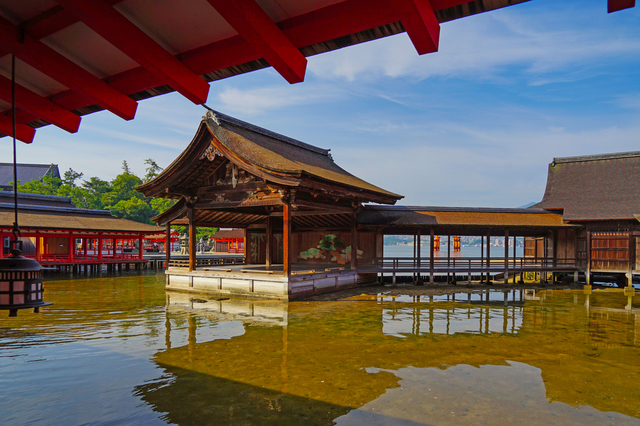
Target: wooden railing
209, 261
464, 264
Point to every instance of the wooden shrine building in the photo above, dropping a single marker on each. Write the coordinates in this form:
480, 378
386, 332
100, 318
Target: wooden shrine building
56, 233
600, 194
297, 205
306, 229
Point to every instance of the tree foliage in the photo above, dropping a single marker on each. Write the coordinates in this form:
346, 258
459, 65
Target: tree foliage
118, 195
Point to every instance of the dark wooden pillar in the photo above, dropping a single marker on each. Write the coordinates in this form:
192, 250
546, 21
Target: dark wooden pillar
488, 257
167, 246
192, 240
588, 271
431, 247
354, 241
286, 239
269, 237
506, 256
481, 258
419, 254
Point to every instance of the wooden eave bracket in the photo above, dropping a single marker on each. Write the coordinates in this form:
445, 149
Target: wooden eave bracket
257, 28
421, 23
63, 70
135, 43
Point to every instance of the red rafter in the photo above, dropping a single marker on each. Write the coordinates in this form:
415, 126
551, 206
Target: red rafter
330, 22
422, 26
136, 44
50, 62
24, 133
255, 26
616, 5
39, 106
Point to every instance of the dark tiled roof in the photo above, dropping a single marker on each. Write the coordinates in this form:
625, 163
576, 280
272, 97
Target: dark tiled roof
26, 172
457, 216
598, 187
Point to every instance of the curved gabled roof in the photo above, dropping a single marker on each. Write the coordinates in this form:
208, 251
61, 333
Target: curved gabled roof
267, 154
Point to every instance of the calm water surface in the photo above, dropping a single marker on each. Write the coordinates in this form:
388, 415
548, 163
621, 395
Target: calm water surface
120, 351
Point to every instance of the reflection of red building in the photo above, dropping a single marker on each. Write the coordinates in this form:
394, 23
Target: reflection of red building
54, 232
228, 241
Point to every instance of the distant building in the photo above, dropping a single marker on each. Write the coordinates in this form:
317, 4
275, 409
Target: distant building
26, 173
601, 194
54, 232
228, 241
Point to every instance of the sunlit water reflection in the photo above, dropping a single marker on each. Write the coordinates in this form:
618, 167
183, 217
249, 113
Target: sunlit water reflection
120, 351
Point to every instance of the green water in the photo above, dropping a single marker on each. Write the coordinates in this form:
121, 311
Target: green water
119, 351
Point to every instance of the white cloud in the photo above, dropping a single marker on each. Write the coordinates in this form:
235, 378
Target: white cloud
481, 47
258, 101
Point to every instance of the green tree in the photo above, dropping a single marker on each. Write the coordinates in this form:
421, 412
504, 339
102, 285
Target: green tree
152, 171
47, 185
70, 177
133, 209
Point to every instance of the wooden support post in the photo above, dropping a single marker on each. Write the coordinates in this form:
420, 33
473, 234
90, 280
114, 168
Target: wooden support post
514, 258
192, 240
286, 239
354, 241
588, 271
506, 256
167, 245
448, 256
481, 258
431, 243
100, 241
419, 254
269, 237
140, 254
488, 257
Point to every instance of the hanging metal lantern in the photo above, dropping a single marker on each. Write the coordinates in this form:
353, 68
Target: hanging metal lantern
20, 284
20, 277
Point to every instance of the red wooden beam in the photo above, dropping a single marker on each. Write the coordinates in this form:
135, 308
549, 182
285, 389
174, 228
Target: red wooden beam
50, 62
616, 5
135, 43
24, 133
423, 28
255, 26
337, 20
39, 106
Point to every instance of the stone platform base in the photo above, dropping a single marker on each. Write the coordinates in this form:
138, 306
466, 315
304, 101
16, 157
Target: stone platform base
233, 282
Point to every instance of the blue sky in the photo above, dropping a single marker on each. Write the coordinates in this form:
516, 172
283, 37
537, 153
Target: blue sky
475, 124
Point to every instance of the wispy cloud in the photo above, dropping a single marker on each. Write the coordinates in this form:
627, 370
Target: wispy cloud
481, 47
258, 101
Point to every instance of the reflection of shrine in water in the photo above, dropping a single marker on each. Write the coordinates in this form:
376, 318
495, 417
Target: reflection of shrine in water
313, 362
